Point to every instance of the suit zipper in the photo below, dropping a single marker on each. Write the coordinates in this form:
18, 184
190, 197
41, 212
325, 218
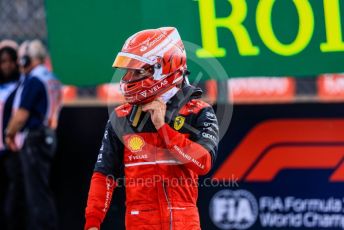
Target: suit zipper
168, 204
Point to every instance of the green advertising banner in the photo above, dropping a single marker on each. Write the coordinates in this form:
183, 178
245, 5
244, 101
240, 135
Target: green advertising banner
247, 37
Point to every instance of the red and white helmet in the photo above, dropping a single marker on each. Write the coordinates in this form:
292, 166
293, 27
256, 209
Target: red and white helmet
155, 60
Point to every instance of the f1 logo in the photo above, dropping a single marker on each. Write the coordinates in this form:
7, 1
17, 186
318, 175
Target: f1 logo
276, 145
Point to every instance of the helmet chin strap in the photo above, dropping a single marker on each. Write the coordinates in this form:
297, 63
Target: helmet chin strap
169, 94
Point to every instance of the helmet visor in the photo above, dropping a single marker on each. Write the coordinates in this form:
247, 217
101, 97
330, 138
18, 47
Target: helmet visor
130, 61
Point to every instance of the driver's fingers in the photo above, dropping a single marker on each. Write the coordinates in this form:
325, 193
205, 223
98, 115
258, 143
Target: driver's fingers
147, 107
153, 105
160, 100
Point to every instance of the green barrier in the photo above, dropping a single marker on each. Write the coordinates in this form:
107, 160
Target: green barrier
247, 37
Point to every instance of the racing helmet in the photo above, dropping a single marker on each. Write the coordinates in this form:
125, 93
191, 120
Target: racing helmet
155, 62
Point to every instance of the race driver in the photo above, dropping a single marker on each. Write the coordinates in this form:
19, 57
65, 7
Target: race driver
164, 134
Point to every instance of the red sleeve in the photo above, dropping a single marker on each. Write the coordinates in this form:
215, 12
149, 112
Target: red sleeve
99, 199
191, 154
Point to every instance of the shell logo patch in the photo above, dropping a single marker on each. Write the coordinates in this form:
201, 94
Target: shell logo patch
136, 143
178, 122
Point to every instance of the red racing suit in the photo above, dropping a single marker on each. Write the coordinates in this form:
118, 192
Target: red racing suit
161, 167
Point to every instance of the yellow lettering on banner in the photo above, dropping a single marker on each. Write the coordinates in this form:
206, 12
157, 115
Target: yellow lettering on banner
334, 41
265, 30
209, 25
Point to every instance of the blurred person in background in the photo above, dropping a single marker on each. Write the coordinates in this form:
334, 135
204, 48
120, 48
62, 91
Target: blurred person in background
175, 138
9, 75
31, 133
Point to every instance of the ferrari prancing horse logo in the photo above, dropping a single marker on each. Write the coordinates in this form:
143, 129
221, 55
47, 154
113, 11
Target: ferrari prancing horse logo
178, 122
